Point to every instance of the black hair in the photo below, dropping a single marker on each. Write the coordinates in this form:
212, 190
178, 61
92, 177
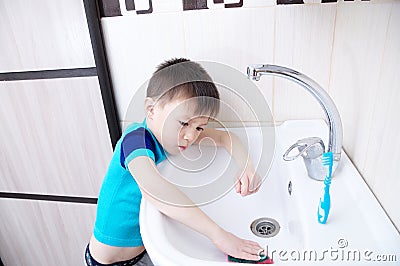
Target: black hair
180, 77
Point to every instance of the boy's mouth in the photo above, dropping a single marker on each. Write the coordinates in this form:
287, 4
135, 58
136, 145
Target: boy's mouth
182, 148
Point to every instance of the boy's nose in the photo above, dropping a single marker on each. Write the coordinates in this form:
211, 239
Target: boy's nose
188, 135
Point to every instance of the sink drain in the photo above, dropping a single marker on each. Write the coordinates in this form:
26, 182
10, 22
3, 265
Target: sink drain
265, 227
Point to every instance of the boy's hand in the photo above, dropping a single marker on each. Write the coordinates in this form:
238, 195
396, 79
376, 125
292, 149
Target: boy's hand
237, 247
247, 180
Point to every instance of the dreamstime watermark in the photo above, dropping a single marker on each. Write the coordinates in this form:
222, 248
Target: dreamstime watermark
339, 253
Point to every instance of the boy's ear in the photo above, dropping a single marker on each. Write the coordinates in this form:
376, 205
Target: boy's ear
149, 106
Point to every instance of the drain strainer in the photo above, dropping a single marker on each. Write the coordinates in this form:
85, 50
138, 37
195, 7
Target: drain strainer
265, 227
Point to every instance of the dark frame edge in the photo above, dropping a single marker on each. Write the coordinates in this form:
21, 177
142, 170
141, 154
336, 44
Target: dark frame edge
96, 37
47, 197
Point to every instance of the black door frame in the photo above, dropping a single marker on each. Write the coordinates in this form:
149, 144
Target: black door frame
96, 36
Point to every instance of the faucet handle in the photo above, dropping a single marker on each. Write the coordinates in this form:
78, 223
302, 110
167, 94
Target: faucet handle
308, 148
311, 149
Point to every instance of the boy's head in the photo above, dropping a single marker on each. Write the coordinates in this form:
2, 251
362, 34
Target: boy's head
181, 98
182, 78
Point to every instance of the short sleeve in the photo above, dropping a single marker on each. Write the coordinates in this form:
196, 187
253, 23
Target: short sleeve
137, 143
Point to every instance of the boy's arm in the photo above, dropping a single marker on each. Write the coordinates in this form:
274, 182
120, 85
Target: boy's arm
248, 181
156, 189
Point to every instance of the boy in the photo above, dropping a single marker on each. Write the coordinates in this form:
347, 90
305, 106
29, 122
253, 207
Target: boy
180, 100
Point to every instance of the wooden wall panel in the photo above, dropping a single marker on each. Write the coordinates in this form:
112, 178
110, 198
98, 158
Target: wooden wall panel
44, 233
54, 137
44, 34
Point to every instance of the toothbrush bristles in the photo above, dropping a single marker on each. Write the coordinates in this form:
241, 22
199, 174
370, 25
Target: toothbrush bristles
327, 158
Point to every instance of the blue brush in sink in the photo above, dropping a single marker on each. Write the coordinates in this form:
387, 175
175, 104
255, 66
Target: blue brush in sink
325, 201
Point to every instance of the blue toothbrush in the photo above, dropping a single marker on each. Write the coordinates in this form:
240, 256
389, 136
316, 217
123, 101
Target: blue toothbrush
325, 201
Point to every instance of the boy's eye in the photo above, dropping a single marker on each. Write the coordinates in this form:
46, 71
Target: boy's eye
185, 124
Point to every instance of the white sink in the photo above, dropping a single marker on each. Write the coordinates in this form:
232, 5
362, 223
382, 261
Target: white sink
357, 232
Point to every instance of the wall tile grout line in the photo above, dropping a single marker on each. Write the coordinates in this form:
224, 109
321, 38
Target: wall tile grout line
329, 89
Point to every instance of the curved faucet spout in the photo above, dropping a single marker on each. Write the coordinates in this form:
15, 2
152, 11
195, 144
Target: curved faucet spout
254, 72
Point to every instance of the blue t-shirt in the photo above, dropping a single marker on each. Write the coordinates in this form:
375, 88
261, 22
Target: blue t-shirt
117, 218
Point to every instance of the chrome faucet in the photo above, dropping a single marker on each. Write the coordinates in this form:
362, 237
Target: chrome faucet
311, 149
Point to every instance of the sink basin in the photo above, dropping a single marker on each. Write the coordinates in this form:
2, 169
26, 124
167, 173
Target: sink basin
357, 231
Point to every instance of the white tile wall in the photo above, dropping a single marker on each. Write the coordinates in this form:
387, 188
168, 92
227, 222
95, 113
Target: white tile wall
232, 38
235, 37
44, 34
304, 37
135, 46
383, 151
357, 59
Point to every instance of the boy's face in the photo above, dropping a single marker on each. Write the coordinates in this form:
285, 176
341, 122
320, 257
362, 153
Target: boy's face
175, 124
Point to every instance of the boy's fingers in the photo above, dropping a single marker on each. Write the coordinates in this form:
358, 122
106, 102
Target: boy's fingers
250, 249
255, 180
247, 183
237, 183
255, 250
237, 186
244, 189
256, 183
253, 244
249, 256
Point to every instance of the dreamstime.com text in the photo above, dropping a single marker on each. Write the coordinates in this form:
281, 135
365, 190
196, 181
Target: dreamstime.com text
339, 253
